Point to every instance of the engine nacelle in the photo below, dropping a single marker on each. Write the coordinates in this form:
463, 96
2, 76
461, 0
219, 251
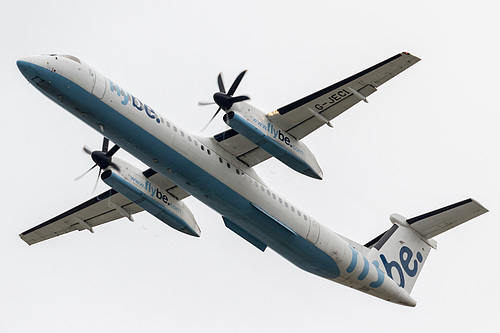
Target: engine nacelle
131, 183
276, 142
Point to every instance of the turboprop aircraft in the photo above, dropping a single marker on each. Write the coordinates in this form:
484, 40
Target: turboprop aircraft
219, 172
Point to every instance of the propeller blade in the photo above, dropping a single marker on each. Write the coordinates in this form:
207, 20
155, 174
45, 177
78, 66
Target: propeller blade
205, 103
239, 99
112, 151
236, 83
221, 83
105, 144
215, 115
86, 172
97, 180
114, 166
87, 150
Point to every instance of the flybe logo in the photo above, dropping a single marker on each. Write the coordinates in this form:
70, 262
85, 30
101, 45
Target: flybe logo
407, 265
127, 98
276, 134
366, 268
154, 192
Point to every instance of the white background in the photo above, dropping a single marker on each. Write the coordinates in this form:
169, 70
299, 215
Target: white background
428, 138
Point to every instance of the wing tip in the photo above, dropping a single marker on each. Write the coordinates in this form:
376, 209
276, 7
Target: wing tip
405, 53
481, 207
21, 235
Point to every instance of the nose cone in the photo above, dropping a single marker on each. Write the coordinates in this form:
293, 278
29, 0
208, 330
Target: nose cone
25, 66
24, 63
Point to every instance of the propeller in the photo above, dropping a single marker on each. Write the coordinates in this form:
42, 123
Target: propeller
102, 159
225, 100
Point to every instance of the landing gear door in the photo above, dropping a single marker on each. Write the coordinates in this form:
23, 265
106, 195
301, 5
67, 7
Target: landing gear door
99, 84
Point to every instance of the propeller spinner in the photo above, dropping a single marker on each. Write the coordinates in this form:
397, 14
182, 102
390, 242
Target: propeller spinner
225, 100
102, 159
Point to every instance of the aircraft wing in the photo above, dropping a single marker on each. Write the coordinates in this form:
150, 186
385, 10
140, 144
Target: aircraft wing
297, 119
304, 116
105, 207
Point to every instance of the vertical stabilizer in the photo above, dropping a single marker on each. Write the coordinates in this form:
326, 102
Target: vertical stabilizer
403, 255
404, 248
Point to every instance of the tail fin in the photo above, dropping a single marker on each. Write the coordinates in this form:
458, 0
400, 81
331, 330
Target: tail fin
404, 248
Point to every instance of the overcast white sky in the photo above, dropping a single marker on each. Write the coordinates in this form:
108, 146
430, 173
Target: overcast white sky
428, 138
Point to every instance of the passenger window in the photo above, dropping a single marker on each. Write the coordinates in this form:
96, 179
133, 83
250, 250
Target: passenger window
286, 204
305, 217
208, 151
220, 159
293, 209
202, 148
298, 213
274, 196
175, 129
182, 133
228, 165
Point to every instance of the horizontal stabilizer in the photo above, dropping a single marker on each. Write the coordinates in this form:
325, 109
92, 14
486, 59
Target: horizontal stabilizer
403, 249
438, 221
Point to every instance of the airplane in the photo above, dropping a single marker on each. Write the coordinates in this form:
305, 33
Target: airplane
218, 171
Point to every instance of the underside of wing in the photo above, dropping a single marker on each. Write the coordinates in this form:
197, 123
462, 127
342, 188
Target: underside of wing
106, 207
164, 183
307, 114
86, 216
245, 150
302, 117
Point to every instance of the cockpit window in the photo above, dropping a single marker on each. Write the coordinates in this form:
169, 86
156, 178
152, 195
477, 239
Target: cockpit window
70, 57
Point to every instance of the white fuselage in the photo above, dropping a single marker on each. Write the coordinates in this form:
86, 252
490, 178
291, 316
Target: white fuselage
211, 174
